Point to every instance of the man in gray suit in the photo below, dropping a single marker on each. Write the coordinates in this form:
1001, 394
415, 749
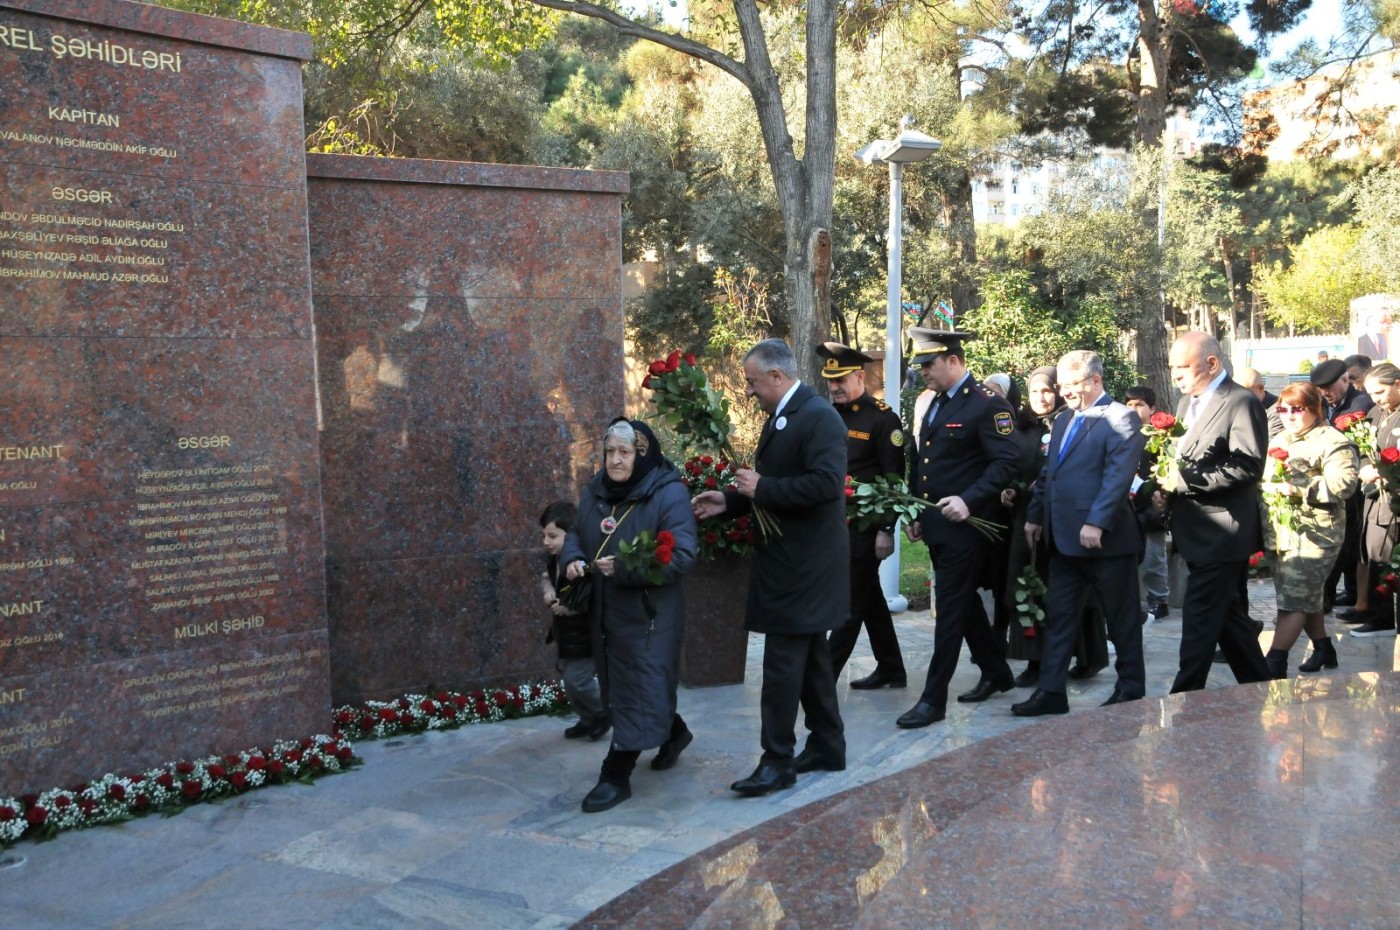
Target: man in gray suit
1214, 505
1080, 502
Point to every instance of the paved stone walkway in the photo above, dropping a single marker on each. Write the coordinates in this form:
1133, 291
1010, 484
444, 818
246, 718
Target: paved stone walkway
480, 828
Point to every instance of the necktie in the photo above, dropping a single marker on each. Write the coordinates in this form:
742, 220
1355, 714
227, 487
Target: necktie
1069, 434
933, 410
1191, 411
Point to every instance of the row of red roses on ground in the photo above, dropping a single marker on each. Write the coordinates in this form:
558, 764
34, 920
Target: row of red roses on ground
170, 788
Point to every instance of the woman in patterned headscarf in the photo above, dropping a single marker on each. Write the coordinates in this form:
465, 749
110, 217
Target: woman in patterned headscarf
637, 624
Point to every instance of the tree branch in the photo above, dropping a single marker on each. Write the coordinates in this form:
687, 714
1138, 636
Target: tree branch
628, 27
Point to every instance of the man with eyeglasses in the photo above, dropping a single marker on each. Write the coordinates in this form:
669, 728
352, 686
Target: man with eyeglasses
1342, 396
1080, 502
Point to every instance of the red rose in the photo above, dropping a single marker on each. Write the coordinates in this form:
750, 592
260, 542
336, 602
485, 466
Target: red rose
733, 535
184, 768
850, 492
673, 361
442, 696
1029, 632
646, 382
191, 789
165, 780
1390, 578
666, 538
1255, 559
405, 719
663, 554
238, 780
657, 367
217, 771
404, 704
116, 792
1162, 420
62, 802
275, 767
36, 816
87, 806
1383, 590
141, 803
366, 722
427, 707
460, 700
689, 359
256, 763
387, 713
710, 482
723, 465
707, 460
712, 537
1390, 456
1279, 454
7, 813
742, 523
1346, 419
345, 753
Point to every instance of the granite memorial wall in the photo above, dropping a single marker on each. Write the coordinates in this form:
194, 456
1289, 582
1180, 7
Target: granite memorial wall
469, 339
162, 576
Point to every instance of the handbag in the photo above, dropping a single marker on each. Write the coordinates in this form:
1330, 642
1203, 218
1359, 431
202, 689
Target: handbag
576, 594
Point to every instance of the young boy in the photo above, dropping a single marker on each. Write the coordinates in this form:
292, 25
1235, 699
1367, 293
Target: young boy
570, 633
1142, 400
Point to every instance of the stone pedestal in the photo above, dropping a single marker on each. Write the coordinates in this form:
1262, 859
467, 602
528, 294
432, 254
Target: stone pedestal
716, 643
162, 579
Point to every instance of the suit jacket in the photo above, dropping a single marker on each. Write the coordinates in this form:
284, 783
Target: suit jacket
1088, 482
801, 579
968, 452
1353, 401
1215, 507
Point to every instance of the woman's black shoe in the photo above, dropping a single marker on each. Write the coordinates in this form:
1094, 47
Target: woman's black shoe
670, 750
1081, 672
1030, 677
605, 795
1324, 655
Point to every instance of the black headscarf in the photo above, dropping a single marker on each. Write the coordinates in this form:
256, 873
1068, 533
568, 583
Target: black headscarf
648, 457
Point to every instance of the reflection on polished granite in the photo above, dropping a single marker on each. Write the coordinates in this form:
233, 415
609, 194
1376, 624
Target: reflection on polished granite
1270, 805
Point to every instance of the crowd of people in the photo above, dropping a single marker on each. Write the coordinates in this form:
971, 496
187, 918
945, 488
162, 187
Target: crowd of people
1048, 493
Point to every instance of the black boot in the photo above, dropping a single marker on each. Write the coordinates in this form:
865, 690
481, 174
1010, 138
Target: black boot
1277, 660
1324, 655
614, 783
670, 750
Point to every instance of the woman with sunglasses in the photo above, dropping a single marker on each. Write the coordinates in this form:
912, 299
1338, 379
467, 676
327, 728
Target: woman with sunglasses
1309, 476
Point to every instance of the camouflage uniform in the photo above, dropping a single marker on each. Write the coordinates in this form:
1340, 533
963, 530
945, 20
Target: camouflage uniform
1304, 554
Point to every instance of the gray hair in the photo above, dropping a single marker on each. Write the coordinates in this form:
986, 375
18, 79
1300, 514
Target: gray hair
774, 353
1086, 361
621, 430
1001, 379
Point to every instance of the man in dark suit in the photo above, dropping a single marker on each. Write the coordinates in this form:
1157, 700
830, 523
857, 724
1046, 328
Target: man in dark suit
800, 584
1080, 500
1251, 380
1341, 396
1214, 500
965, 457
874, 449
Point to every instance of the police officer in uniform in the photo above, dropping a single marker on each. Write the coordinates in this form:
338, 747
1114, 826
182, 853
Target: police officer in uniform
874, 448
964, 456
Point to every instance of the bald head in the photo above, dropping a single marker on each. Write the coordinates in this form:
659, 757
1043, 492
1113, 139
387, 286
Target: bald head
1196, 360
1251, 378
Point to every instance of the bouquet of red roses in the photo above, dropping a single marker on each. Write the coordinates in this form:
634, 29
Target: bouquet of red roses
718, 535
696, 411
1360, 430
648, 556
1284, 506
1162, 431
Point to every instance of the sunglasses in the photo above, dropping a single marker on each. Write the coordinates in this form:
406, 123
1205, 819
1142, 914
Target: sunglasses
1282, 409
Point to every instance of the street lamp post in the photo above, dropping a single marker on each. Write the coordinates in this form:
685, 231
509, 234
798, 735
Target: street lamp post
908, 147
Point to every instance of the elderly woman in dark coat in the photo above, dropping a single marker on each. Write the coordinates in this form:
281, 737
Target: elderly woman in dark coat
637, 626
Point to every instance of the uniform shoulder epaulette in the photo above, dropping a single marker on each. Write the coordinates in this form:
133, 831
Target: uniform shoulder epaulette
881, 405
987, 392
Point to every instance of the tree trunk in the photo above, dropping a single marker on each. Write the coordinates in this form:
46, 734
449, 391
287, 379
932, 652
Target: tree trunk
1152, 355
1153, 60
962, 234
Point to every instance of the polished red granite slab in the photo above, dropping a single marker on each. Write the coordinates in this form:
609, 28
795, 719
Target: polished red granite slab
469, 331
1251, 806
162, 575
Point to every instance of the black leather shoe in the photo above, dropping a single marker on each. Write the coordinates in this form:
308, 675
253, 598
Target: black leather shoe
985, 689
1041, 703
767, 777
1119, 696
809, 760
880, 679
1345, 599
597, 731
671, 750
921, 715
1081, 672
605, 795
1030, 677
577, 731
1352, 615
